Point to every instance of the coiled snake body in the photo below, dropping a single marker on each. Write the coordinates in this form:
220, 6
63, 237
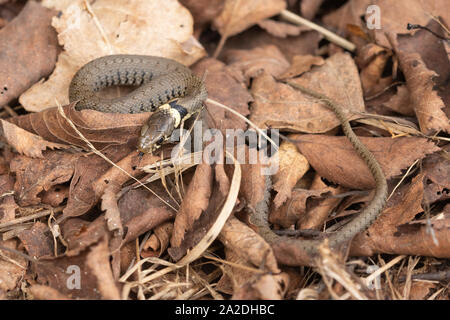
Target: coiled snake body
174, 93
163, 85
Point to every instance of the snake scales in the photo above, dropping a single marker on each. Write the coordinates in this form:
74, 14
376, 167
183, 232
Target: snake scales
174, 93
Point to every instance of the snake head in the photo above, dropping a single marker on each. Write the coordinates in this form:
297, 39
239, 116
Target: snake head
156, 131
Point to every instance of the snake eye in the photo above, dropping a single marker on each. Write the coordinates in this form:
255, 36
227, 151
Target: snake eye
160, 141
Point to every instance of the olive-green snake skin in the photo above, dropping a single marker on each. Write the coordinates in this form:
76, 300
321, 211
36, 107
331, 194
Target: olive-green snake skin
175, 93
162, 84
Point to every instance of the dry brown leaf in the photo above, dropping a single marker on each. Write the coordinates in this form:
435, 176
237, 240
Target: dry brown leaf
203, 12
305, 43
238, 15
41, 292
281, 29
55, 195
25, 142
436, 169
309, 8
143, 27
101, 129
401, 102
38, 241
7, 203
98, 261
280, 106
301, 64
159, 241
391, 234
140, 211
295, 208
292, 166
194, 203
266, 287
250, 63
111, 208
319, 209
394, 16
36, 175
28, 47
335, 159
224, 88
424, 99
12, 266
248, 245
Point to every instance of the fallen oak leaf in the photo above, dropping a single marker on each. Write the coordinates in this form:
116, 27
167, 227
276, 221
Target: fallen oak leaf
25, 142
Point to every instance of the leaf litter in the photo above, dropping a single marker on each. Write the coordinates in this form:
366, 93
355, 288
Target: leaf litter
186, 233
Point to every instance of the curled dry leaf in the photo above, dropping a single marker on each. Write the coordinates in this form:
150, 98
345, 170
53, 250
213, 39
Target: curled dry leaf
278, 105
426, 102
25, 142
143, 27
335, 159
389, 234
238, 15
28, 47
